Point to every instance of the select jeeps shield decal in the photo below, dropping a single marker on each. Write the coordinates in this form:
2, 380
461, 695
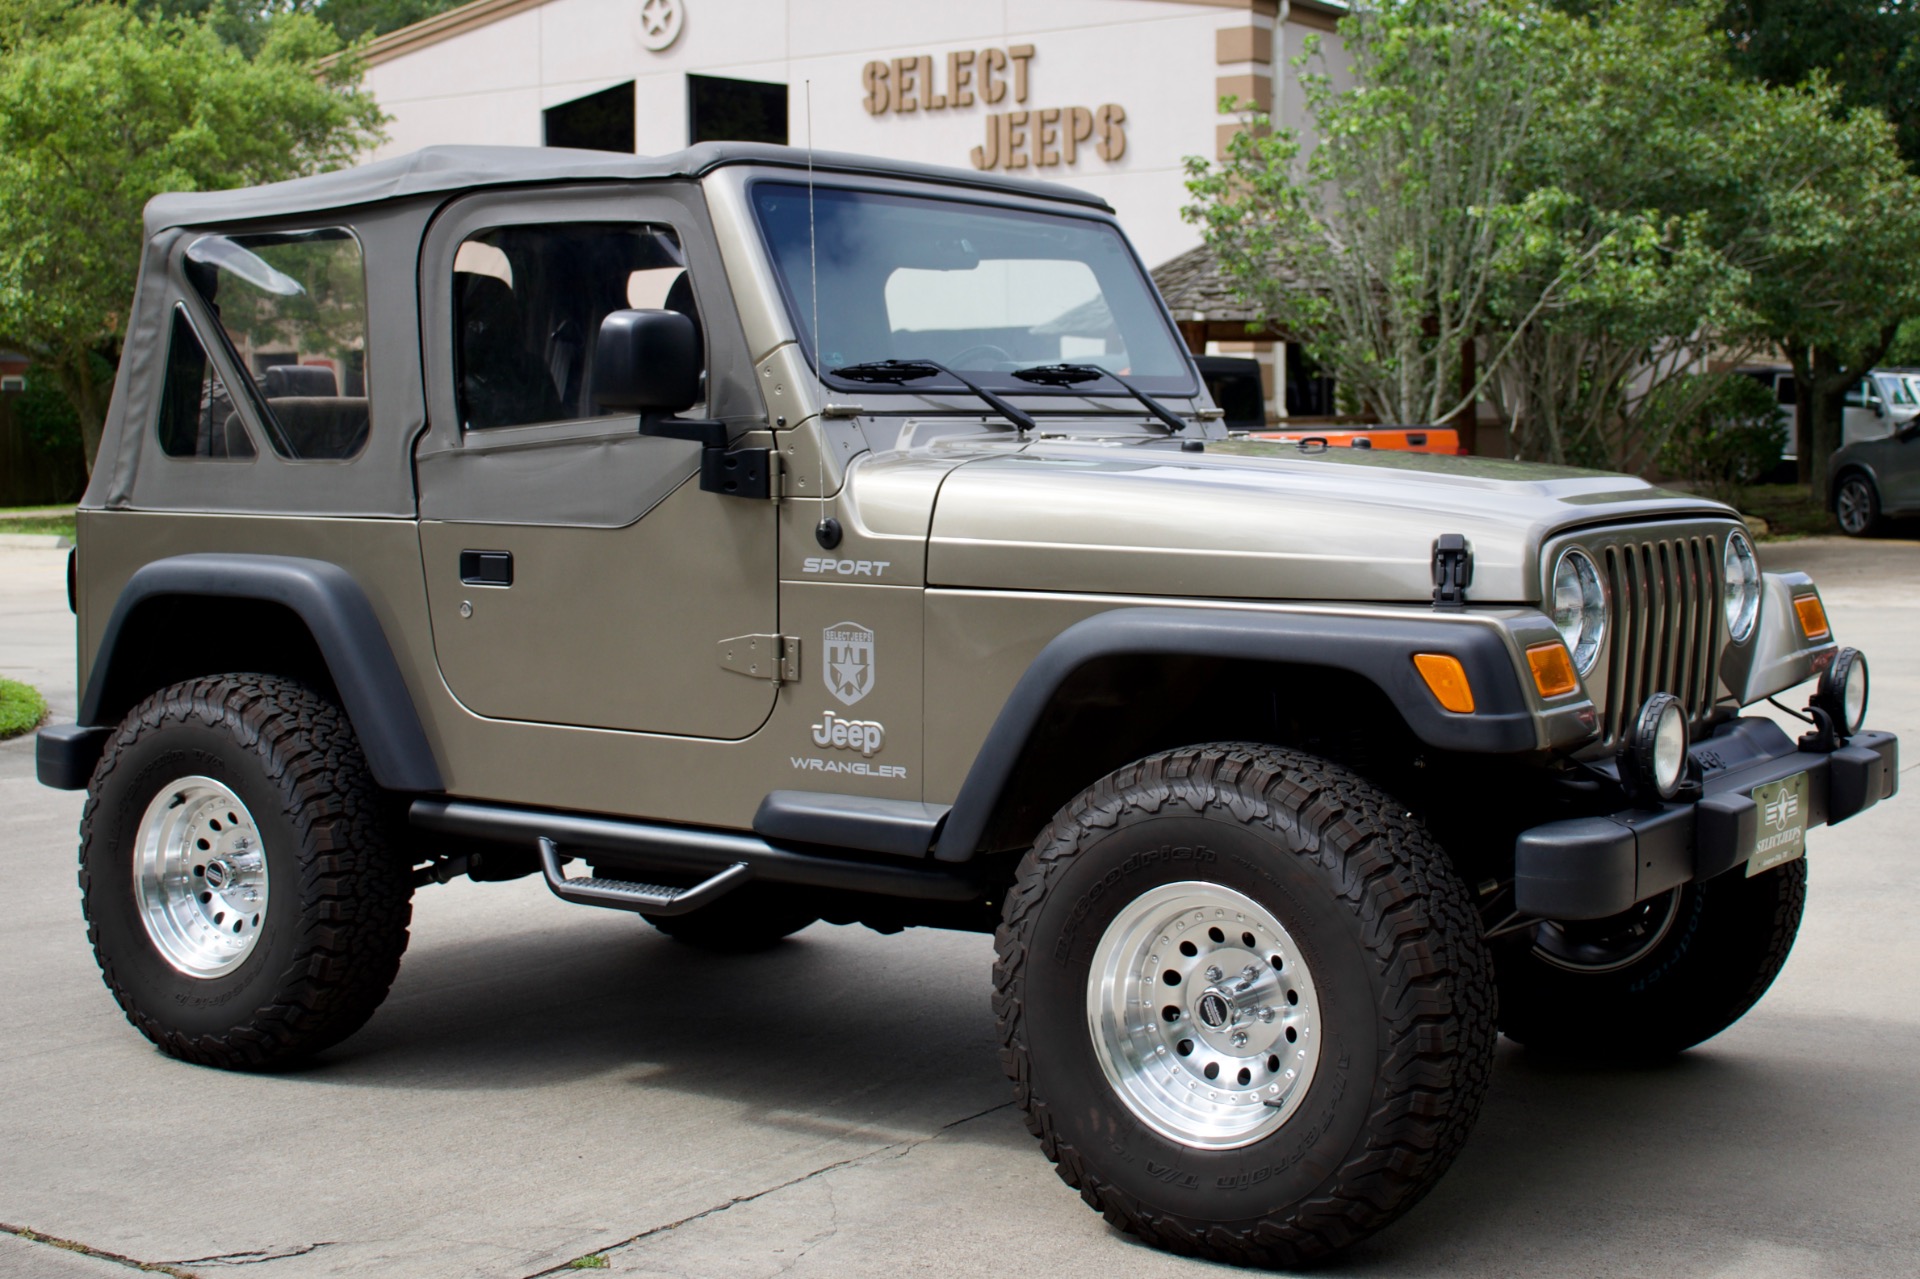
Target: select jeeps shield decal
848, 669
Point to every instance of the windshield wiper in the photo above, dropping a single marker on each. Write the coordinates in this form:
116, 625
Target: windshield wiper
1074, 374
899, 372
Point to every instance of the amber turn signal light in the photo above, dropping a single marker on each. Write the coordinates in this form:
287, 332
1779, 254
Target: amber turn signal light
1448, 680
1552, 669
1813, 616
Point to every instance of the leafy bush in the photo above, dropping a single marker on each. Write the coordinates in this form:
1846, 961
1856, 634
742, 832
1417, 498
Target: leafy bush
46, 415
1731, 440
21, 708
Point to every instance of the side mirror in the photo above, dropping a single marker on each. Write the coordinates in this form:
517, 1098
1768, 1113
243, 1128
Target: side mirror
647, 362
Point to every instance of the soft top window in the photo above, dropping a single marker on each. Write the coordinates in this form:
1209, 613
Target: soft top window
527, 306
293, 305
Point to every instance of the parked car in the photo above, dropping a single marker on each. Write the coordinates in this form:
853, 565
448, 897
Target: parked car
1876, 477
789, 538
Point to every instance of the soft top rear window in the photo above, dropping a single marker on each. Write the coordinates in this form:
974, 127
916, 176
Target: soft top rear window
293, 306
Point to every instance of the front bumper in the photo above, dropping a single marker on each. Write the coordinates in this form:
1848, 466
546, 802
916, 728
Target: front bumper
1594, 867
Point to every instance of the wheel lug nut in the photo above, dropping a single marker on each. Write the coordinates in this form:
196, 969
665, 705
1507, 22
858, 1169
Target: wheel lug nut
1266, 1014
1239, 1039
1248, 973
1214, 973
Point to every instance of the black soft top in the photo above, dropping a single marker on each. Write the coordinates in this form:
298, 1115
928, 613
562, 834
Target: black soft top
458, 168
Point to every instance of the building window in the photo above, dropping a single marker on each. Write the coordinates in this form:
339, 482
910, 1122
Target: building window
600, 121
13, 382
721, 110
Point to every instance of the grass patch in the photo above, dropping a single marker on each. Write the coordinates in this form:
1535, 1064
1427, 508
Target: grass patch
1788, 511
59, 525
21, 708
592, 1261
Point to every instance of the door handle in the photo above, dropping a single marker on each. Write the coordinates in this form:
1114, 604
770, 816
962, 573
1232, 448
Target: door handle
486, 568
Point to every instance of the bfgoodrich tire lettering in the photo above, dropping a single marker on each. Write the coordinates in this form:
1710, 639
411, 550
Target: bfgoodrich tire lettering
338, 899
1405, 1019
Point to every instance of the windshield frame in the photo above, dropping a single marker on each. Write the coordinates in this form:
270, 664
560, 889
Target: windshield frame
937, 385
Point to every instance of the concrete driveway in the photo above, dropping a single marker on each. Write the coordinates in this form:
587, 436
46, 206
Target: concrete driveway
548, 1083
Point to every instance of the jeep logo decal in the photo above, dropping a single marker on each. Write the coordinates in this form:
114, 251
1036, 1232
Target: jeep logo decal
848, 669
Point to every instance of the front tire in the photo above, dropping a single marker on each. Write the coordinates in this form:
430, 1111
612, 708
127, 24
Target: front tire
241, 897
1151, 931
1654, 982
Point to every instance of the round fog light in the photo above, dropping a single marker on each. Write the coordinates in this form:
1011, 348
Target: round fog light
1843, 691
1655, 760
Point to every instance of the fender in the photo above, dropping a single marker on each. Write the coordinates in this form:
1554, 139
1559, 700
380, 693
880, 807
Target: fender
1376, 647
343, 625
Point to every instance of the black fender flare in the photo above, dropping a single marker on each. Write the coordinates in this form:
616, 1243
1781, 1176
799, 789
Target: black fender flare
1377, 647
327, 599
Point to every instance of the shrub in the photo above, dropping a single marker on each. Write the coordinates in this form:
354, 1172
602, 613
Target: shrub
1730, 441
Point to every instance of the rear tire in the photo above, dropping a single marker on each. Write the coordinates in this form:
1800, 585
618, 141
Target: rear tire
241, 896
1244, 1003
1678, 971
752, 918
1856, 506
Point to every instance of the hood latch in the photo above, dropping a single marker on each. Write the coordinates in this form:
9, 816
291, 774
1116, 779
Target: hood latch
1452, 571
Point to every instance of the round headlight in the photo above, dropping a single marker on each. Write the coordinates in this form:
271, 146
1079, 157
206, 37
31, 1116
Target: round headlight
1740, 569
1843, 691
1580, 607
1656, 754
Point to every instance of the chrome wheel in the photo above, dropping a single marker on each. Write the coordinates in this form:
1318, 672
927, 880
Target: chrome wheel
1607, 945
200, 877
1203, 1015
1854, 506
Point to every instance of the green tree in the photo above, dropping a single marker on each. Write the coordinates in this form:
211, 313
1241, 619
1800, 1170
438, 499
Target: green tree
245, 23
1868, 50
1383, 243
102, 108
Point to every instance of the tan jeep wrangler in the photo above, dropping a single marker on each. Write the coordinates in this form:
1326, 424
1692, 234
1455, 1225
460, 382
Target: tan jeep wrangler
744, 543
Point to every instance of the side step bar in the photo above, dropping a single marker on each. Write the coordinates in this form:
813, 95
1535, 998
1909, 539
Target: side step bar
621, 894
682, 849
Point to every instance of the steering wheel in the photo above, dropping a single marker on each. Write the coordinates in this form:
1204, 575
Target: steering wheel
958, 360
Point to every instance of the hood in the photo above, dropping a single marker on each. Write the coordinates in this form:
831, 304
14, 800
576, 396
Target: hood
1249, 520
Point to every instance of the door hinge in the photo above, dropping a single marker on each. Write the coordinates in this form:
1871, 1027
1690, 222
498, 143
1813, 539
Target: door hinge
769, 657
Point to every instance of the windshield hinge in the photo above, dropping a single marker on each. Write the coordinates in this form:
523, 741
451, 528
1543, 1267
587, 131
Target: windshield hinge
768, 657
1452, 571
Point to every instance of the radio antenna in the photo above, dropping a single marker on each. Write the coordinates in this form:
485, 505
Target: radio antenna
827, 532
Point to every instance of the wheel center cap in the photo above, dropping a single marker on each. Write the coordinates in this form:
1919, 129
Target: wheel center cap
1214, 1010
218, 875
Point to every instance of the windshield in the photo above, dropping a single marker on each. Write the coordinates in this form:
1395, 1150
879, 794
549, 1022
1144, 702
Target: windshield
982, 290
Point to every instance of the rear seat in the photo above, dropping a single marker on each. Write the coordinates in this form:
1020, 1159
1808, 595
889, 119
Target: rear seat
315, 419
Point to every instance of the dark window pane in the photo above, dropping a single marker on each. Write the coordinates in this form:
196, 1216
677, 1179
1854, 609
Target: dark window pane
294, 307
721, 110
527, 306
598, 122
197, 417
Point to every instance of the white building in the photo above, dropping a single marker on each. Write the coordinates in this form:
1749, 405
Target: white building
1109, 95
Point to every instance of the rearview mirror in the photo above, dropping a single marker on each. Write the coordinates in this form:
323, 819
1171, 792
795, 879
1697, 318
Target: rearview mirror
647, 362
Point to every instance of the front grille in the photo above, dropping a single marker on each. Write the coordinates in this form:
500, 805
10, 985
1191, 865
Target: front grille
1665, 598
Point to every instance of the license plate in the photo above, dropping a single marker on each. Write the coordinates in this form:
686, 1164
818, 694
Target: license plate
1783, 823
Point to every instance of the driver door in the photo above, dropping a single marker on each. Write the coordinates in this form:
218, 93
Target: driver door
576, 573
